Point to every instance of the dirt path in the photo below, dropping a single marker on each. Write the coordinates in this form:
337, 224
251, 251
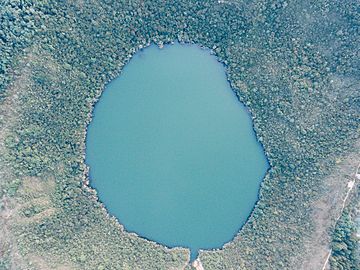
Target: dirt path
198, 265
334, 194
350, 186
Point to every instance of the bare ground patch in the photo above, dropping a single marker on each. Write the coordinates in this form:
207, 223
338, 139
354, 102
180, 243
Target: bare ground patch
33, 191
327, 209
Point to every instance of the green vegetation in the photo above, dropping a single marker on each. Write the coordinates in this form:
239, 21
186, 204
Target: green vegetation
345, 245
294, 64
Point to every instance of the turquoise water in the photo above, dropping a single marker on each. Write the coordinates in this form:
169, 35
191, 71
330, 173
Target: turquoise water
172, 152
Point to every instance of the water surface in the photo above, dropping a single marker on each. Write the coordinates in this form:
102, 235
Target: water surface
172, 152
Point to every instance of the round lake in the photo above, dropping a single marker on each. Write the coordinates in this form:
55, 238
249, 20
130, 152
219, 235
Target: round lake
172, 152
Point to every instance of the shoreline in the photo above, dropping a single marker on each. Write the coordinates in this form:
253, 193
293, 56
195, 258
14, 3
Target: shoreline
86, 176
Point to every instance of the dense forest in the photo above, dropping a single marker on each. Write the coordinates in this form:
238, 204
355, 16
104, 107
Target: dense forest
294, 64
345, 240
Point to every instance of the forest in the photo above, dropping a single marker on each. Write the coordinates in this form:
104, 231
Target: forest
295, 65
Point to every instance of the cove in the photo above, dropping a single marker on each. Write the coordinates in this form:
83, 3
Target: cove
172, 152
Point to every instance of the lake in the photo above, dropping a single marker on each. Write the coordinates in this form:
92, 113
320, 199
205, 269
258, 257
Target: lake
172, 152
